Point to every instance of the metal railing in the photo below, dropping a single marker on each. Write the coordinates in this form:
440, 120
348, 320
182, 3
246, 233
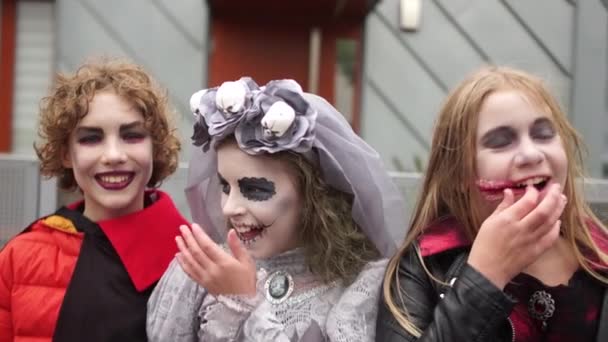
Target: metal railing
25, 196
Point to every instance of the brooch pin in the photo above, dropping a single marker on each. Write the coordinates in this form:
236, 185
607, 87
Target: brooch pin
279, 285
541, 307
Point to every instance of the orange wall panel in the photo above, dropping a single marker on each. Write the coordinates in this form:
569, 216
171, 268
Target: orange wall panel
273, 48
258, 50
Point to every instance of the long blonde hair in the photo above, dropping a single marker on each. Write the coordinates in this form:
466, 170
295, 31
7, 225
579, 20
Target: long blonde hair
451, 169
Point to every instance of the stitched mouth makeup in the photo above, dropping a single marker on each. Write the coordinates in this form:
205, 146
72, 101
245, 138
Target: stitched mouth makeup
249, 234
260, 200
492, 190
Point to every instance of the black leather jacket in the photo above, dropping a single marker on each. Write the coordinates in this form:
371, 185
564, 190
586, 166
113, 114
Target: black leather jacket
472, 310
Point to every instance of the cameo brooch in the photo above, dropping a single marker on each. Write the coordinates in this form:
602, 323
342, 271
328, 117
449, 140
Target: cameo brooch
279, 285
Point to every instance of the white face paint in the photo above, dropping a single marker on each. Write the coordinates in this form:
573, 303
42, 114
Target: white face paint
260, 200
110, 153
517, 145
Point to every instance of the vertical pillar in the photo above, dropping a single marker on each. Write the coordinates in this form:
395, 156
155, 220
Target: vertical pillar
7, 68
589, 107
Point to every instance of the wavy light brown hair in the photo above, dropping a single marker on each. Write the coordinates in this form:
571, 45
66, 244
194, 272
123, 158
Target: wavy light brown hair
452, 168
68, 102
334, 245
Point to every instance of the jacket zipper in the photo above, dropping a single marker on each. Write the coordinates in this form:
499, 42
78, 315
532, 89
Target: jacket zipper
512, 329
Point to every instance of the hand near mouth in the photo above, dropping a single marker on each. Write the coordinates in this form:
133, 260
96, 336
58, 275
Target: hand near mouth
218, 271
517, 233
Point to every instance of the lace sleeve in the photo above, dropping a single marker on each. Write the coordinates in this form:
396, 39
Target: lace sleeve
222, 317
263, 325
353, 318
173, 307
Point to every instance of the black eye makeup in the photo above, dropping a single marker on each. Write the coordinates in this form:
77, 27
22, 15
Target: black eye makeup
133, 135
133, 131
499, 137
257, 189
88, 139
88, 135
542, 129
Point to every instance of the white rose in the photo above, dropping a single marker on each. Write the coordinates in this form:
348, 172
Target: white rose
195, 100
278, 119
230, 97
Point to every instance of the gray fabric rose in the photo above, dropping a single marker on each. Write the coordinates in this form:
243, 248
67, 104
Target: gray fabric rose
285, 120
220, 109
201, 136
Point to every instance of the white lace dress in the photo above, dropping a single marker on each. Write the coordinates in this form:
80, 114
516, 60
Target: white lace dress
290, 305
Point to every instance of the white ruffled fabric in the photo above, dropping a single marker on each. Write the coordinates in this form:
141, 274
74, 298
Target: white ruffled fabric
180, 310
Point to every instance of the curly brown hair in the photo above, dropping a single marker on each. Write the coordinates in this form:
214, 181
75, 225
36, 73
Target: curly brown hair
334, 245
68, 103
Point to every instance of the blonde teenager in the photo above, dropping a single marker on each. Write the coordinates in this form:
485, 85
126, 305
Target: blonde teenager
502, 245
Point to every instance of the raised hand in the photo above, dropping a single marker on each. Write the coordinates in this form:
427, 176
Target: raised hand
517, 233
213, 268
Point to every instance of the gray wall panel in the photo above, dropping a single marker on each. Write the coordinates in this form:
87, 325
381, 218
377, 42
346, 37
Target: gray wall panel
397, 148
498, 33
80, 36
401, 78
191, 22
438, 42
551, 22
156, 42
589, 98
168, 40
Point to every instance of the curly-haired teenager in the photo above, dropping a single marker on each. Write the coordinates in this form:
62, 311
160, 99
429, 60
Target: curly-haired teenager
303, 197
85, 272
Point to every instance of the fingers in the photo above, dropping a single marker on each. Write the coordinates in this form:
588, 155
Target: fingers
548, 225
187, 261
547, 211
247, 276
525, 204
208, 246
547, 239
517, 233
507, 200
193, 248
236, 247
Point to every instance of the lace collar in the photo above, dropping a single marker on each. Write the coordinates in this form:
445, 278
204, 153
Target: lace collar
292, 261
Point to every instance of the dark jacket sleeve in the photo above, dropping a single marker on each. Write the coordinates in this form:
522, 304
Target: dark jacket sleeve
473, 309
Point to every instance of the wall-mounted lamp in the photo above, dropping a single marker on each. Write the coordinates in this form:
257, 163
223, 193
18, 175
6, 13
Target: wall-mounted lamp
409, 14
